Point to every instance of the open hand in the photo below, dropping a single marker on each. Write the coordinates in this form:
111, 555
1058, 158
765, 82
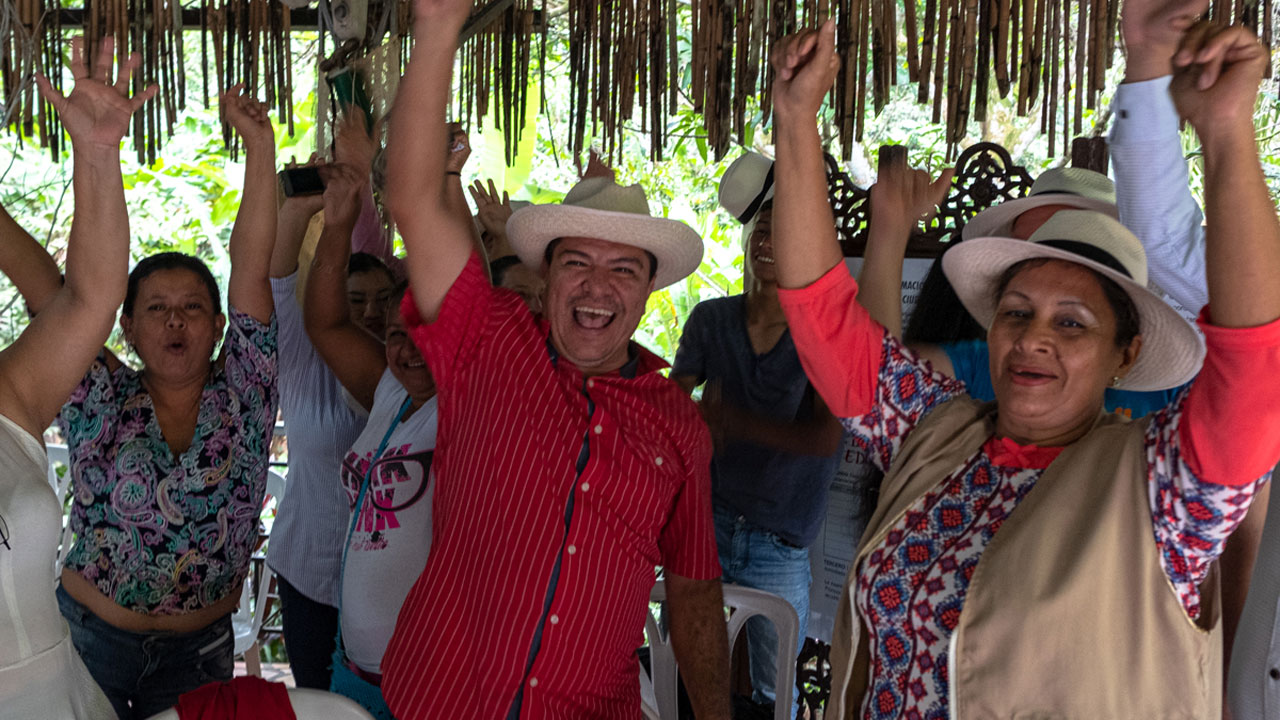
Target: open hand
342, 187
97, 112
248, 117
492, 210
805, 65
1217, 73
906, 197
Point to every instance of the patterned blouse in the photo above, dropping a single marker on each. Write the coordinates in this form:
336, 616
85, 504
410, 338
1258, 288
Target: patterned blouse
911, 587
167, 535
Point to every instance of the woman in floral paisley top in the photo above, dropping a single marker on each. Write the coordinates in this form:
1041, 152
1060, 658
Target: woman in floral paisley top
169, 462
1038, 557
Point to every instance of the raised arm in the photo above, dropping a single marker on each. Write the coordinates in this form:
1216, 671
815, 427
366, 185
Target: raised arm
40, 369
1215, 90
356, 358
254, 232
901, 198
437, 241
1153, 190
292, 219
804, 228
840, 346
27, 264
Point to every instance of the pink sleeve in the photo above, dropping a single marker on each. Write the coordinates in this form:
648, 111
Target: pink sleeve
1230, 432
367, 237
840, 346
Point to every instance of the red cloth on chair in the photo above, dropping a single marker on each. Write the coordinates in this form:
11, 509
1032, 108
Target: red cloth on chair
244, 698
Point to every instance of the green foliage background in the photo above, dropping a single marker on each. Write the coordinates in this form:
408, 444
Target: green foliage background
188, 199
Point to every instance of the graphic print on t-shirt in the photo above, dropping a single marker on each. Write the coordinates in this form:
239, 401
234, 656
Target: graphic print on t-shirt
399, 482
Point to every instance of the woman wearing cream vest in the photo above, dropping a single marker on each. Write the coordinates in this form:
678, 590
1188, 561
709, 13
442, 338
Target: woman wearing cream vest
1034, 557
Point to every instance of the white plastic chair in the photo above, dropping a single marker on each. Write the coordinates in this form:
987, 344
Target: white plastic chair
307, 705
246, 622
58, 455
658, 689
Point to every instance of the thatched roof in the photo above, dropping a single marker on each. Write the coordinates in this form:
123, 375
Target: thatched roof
626, 64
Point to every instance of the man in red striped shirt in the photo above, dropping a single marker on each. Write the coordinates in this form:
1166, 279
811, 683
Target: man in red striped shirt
567, 467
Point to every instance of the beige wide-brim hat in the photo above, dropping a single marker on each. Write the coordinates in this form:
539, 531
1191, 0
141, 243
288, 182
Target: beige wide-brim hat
1172, 351
600, 209
746, 185
1079, 188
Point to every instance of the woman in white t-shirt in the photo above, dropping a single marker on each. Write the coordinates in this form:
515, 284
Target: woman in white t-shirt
387, 472
41, 674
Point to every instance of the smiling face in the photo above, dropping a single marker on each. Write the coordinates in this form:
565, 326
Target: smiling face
596, 293
174, 325
404, 360
1053, 353
367, 296
760, 248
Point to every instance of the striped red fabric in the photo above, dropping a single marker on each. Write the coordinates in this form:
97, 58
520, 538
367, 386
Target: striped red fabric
512, 427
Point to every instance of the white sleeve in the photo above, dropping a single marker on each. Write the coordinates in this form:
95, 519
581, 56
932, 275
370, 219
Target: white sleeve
1153, 193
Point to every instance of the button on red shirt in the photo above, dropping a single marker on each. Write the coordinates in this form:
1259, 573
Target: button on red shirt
512, 426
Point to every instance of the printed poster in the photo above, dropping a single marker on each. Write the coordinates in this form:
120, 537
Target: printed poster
852, 489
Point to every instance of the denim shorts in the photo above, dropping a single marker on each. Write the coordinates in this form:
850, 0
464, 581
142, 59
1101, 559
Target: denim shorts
144, 673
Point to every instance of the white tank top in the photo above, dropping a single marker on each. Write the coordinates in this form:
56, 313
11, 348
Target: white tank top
30, 525
41, 676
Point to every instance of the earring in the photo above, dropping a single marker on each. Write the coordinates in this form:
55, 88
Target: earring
1115, 381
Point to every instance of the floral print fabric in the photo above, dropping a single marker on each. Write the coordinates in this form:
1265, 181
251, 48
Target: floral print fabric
156, 533
911, 587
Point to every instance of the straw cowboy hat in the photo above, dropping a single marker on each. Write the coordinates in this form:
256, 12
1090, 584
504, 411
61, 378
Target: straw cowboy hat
746, 185
1079, 188
1172, 351
599, 208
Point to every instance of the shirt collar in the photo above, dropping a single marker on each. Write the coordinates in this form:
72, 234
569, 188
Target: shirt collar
640, 361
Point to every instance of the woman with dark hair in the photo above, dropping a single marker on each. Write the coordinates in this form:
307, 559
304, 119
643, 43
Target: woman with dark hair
386, 472
323, 421
1037, 556
169, 462
40, 673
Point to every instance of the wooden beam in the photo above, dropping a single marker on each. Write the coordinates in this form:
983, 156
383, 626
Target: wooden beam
307, 18
481, 20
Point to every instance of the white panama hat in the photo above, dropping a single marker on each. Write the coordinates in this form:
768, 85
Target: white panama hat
1077, 187
599, 208
746, 185
1172, 350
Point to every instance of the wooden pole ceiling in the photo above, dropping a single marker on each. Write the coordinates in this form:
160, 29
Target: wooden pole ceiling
633, 62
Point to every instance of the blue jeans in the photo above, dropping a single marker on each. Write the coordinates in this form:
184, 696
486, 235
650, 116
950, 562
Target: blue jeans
756, 558
144, 673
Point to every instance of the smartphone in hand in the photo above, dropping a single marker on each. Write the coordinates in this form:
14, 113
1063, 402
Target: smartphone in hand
301, 181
